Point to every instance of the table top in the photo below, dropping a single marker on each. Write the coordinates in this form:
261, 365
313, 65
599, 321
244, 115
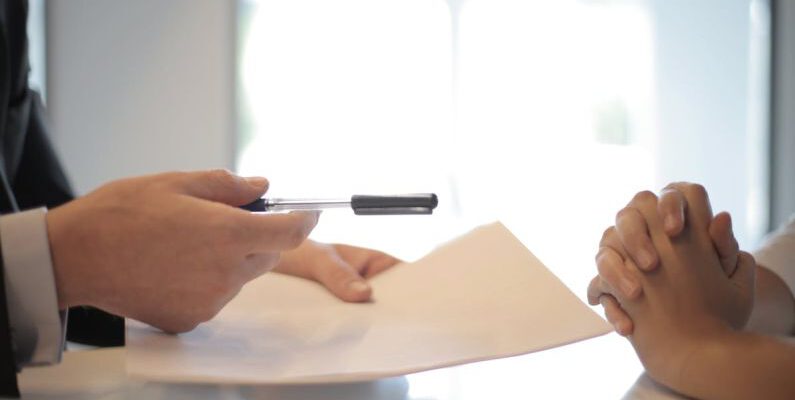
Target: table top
600, 368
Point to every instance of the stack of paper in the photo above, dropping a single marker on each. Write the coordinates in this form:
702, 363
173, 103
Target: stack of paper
479, 297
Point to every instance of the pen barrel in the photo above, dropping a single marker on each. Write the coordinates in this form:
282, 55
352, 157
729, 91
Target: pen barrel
304, 204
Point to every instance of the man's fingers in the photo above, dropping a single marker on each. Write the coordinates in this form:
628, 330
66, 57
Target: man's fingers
221, 186
672, 206
613, 271
621, 322
274, 232
342, 280
720, 230
634, 235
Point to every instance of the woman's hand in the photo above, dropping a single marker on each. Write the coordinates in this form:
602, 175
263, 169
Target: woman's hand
690, 300
628, 244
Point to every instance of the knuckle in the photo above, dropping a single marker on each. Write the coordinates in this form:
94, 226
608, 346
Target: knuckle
221, 175
625, 214
608, 254
697, 190
605, 264
671, 198
607, 235
676, 186
644, 197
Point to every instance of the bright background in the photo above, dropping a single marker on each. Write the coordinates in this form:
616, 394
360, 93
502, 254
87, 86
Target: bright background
547, 115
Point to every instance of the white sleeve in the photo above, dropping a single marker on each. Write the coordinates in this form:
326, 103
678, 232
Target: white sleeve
37, 328
778, 253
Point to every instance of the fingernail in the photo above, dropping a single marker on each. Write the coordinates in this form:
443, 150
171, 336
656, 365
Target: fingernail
358, 286
670, 223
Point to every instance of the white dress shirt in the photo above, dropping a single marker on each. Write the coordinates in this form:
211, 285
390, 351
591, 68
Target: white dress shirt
37, 328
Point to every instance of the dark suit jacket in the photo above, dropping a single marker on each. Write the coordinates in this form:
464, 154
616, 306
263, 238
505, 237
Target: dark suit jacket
31, 176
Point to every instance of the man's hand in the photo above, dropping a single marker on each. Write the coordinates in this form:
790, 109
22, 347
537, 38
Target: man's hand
342, 269
627, 248
169, 250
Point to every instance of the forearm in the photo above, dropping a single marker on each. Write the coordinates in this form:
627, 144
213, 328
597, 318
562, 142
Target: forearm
774, 307
740, 366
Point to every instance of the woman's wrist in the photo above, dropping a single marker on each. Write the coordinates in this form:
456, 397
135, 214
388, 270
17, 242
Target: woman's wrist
674, 356
708, 358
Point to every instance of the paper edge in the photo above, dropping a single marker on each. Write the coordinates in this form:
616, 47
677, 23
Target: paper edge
353, 377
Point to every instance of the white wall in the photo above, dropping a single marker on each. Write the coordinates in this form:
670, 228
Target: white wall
140, 86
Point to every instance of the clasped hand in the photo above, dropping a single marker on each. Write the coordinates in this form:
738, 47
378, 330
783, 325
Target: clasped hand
671, 275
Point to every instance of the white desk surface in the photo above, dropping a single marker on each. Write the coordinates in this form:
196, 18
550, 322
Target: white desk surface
601, 368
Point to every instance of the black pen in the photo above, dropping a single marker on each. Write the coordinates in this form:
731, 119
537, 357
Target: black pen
404, 204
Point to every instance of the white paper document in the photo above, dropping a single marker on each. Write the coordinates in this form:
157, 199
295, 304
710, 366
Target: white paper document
478, 297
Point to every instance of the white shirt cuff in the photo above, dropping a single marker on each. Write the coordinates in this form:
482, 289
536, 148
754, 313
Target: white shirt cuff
778, 253
37, 328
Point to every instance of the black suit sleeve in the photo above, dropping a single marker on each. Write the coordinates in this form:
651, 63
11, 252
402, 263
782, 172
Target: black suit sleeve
39, 179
